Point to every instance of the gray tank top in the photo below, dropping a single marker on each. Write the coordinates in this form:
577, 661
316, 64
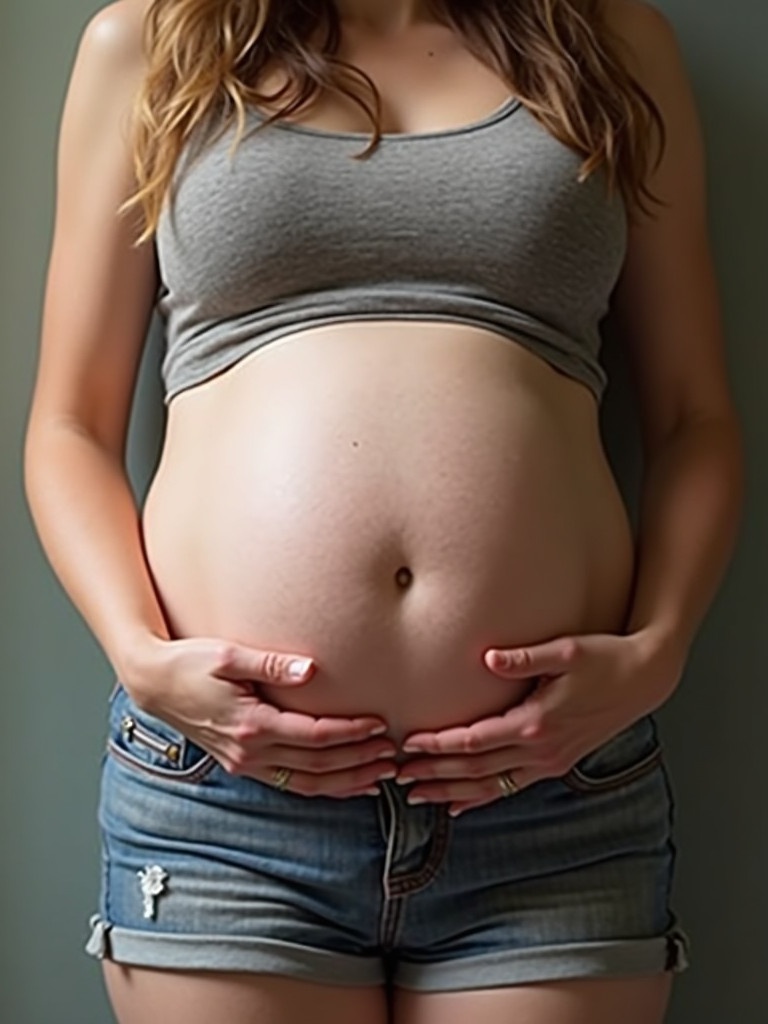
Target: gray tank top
484, 224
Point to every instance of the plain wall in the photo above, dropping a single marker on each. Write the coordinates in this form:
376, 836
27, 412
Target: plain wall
55, 678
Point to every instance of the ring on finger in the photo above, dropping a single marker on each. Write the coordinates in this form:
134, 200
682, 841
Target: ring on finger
507, 783
281, 777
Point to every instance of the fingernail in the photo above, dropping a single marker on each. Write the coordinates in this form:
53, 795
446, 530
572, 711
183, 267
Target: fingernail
411, 748
298, 668
378, 730
404, 780
417, 800
389, 775
386, 753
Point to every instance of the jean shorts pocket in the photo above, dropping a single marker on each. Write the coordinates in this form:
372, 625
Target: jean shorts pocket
149, 745
628, 756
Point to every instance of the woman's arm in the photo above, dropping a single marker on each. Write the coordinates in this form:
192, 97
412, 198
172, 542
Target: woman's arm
98, 302
668, 312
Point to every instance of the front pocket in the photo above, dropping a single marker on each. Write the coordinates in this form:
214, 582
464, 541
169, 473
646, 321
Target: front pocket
628, 756
149, 745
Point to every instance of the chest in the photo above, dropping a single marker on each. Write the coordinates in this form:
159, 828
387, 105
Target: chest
425, 77
496, 208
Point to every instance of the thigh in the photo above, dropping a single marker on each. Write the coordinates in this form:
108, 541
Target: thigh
141, 995
578, 1001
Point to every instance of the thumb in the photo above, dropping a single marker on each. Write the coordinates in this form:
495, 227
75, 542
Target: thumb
551, 658
277, 668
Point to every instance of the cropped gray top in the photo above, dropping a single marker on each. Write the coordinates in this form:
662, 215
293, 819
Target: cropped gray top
484, 224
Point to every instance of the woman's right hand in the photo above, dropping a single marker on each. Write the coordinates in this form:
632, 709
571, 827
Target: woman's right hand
205, 689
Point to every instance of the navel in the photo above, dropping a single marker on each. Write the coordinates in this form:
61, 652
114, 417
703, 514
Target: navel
403, 577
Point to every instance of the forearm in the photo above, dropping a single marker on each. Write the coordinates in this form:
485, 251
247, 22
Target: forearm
689, 517
88, 524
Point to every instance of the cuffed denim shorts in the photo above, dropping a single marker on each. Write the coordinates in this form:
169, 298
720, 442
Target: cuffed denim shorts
202, 869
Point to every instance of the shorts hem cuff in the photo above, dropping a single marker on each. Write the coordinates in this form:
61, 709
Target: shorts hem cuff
230, 953
621, 958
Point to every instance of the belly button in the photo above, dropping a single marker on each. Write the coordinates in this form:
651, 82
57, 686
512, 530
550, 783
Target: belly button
403, 577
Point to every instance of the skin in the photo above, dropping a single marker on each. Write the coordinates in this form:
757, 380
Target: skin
379, 17
597, 681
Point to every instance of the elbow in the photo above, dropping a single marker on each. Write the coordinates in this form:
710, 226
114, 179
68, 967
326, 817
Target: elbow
718, 421
46, 447
711, 438
35, 461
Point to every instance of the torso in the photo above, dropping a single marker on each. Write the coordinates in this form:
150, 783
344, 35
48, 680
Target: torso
391, 497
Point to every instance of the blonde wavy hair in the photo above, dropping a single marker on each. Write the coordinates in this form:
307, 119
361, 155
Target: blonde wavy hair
205, 58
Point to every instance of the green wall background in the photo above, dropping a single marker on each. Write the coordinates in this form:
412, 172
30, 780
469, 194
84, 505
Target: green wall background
55, 679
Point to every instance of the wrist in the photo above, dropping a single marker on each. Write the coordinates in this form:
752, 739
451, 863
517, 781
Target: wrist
136, 661
664, 653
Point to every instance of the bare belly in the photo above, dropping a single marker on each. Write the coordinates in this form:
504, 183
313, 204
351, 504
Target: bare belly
391, 498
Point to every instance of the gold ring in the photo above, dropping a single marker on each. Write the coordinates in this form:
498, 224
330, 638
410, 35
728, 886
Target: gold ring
281, 777
507, 783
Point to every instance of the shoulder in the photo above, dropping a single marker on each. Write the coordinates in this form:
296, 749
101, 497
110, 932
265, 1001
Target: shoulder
114, 34
653, 55
108, 68
648, 41
637, 22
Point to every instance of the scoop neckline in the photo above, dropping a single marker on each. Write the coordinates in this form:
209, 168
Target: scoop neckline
510, 104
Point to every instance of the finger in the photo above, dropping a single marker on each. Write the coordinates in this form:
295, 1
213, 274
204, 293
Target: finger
498, 732
554, 657
236, 661
476, 767
470, 790
294, 729
333, 759
489, 734
335, 784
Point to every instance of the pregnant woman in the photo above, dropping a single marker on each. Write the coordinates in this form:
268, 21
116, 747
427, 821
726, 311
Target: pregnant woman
381, 741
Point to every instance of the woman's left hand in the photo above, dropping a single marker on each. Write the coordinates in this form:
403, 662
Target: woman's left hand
587, 689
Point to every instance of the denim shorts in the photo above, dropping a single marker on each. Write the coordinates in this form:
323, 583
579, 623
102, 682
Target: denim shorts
205, 870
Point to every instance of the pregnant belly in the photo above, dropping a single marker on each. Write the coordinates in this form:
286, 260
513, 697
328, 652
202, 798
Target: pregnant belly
392, 499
